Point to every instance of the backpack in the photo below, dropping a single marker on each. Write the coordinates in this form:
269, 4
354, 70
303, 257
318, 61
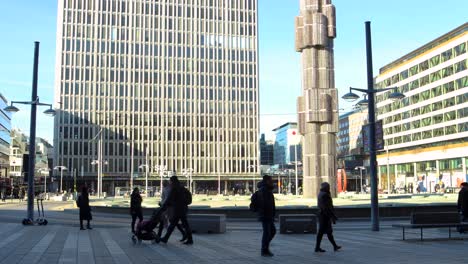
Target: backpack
186, 196
254, 202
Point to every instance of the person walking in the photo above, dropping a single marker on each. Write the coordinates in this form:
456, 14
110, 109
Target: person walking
326, 217
462, 204
178, 200
85, 209
135, 207
167, 213
264, 202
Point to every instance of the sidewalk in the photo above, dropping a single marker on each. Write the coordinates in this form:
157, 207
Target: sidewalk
65, 244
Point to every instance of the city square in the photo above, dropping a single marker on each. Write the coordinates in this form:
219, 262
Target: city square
237, 131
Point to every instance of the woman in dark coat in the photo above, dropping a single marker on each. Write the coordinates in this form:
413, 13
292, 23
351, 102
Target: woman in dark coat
135, 207
85, 209
326, 217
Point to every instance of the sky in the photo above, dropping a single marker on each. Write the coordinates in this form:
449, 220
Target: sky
398, 27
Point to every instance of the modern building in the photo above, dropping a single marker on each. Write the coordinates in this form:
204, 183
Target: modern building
351, 155
287, 144
18, 148
426, 133
5, 141
159, 83
266, 151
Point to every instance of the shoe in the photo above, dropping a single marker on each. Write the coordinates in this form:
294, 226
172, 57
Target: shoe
267, 253
183, 239
163, 240
81, 228
320, 250
188, 242
336, 248
88, 227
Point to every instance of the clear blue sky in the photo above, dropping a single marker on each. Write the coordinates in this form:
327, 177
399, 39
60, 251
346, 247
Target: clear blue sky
399, 26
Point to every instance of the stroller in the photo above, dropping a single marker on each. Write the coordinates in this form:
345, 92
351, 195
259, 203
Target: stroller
144, 229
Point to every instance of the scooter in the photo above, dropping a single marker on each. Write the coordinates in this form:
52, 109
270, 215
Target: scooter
41, 219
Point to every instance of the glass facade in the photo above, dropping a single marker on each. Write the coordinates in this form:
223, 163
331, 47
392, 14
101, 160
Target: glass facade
169, 82
287, 140
5, 140
426, 133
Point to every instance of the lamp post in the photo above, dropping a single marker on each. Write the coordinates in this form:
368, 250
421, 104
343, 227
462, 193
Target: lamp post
188, 173
161, 169
146, 166
32, 131
99, 163
295, 162
45, 179
253, 177
360, 168
370, 102
61, 168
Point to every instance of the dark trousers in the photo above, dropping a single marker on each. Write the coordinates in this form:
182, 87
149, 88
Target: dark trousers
81, 223
185, 227
269, 232
134, 217
164, 221
325, 227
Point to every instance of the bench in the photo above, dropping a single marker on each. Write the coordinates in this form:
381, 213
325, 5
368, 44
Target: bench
433, 220
298, 223
207, 223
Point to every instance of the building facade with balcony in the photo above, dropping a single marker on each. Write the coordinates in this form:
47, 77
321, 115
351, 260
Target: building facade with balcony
426, 133
171, 83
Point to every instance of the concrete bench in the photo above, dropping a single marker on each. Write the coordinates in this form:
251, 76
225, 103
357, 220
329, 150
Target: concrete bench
433, 220
207, 223
298, 223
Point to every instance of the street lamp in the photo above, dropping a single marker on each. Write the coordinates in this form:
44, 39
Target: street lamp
253, 177
61, 168
188, 173
32, 131
99, 179
370, 92
161, 169
45, 179
360, 168
145, 166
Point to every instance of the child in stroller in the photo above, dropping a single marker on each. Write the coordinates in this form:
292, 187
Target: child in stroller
144, 229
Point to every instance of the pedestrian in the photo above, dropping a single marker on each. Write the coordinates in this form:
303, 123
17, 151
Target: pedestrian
462, 204
178, 200
85, 209
168, 212
263, 202
326, 217
135, 207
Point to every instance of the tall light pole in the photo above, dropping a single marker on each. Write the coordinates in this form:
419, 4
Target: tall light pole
253, 176
61, 168
32, 131
360, 168
146, 166
161, 169
188, 173
45, 179
370, 102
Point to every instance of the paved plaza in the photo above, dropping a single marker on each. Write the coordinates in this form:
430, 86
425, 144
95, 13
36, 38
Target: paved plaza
67, 244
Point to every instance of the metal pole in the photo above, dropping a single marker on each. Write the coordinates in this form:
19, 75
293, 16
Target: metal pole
61, 180
361, 180
32, 134
373, 158
146, 183
388, 172
45, 184
297, 183
289, 181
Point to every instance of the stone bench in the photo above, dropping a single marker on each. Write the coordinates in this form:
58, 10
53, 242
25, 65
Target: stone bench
207, 223
298, 223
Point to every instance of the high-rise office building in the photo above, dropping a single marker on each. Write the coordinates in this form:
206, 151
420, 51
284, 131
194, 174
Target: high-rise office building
168, 82
288, 145
426, 133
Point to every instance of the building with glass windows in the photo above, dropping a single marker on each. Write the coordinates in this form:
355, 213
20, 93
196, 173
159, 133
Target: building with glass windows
5, 140
287, 142
426, 133
167, 83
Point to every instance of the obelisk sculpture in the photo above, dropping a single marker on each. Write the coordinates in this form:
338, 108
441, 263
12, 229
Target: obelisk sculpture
318, 105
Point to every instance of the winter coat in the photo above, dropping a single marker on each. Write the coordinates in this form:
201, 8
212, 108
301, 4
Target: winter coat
462, 203
325, 203
175, 202
135, 203
85, 209
266, 208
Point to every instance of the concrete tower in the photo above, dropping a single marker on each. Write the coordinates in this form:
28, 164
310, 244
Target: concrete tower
318, 105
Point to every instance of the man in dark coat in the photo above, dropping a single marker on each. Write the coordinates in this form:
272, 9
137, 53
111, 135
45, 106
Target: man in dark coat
136, 210
462, 203
326, 217
266, 210
85, 209
179, 206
